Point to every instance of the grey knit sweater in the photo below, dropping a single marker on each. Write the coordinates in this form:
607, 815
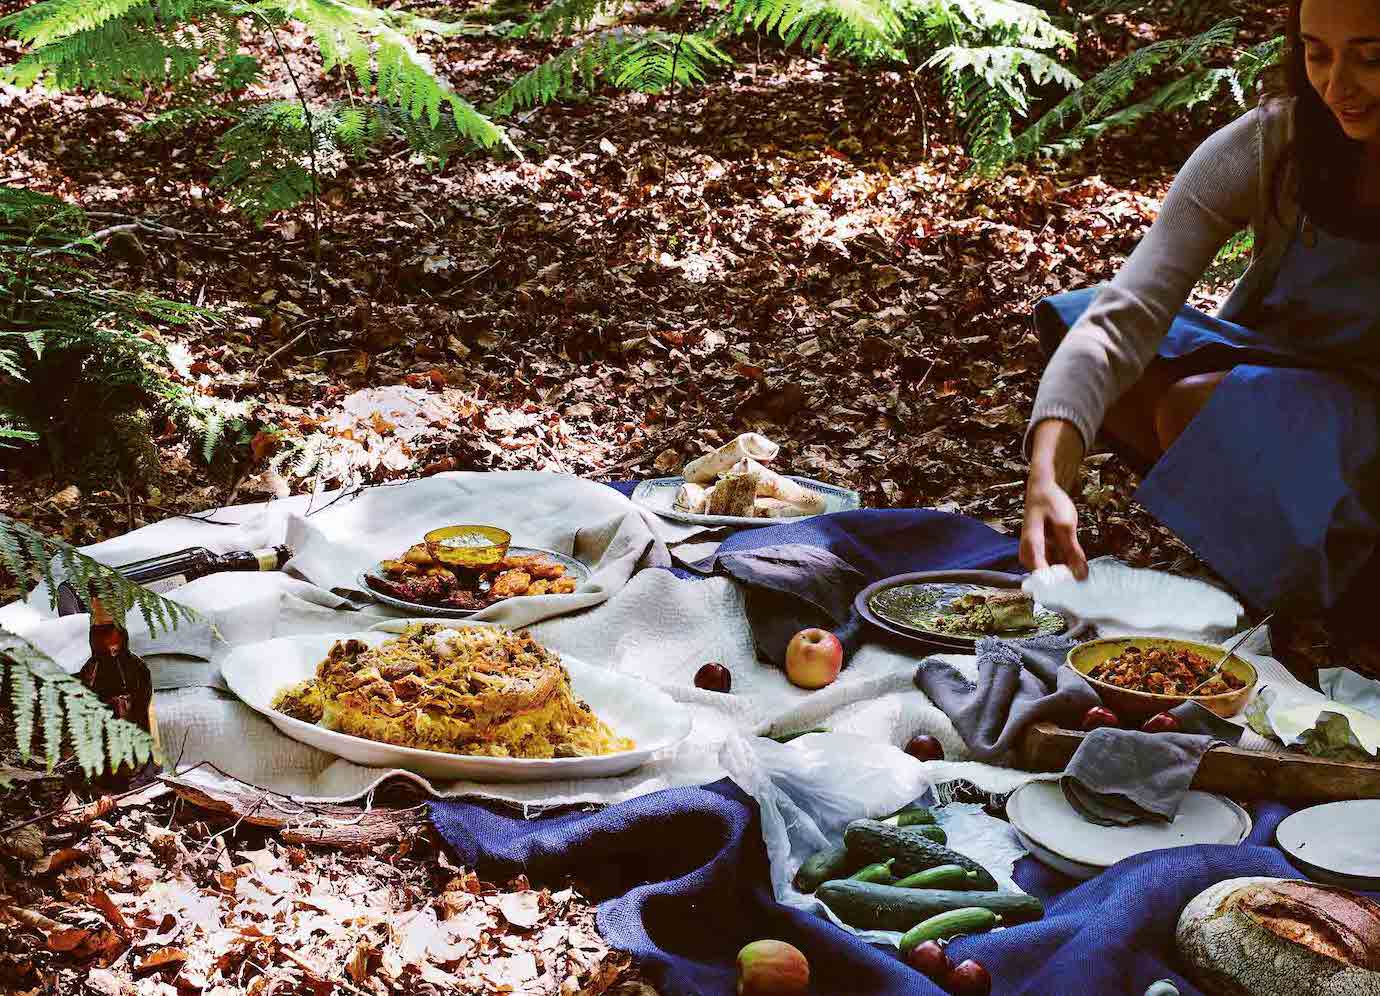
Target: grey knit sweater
1227, 185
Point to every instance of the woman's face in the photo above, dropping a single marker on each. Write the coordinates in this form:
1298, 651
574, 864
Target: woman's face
1341, 44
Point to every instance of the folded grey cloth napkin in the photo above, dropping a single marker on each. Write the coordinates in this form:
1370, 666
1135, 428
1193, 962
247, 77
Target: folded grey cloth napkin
1121, 777
1019, 682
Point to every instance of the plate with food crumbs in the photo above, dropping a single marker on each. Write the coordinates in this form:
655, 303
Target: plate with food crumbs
419, 584
470, 701
957, 608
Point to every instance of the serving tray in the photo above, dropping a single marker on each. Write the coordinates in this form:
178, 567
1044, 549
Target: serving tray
659, 494
1242, 774
573, 568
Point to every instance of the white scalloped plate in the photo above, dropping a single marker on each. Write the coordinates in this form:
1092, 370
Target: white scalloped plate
632, 708
1131, 601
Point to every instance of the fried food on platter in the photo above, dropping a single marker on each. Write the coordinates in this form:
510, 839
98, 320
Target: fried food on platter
511, 583
468, 690
536, 565
416, 577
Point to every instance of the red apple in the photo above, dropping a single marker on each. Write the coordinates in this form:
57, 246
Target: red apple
814, 658
1161, 722
772, 968
930, 960
925, 748
968, 978
713, 677
1099, 716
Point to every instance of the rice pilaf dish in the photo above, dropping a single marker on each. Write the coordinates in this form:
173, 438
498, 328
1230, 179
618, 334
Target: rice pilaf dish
477, 690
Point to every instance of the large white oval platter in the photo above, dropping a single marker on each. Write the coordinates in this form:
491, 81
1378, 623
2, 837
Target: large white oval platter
1336, 842
631, 708
659, 496
1062, 839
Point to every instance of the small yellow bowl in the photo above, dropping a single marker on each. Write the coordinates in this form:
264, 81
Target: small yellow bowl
1130, 704
469, 546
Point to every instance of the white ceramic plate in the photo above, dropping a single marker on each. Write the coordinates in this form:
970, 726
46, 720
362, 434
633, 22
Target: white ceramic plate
632, 708
1336, 842
659, 495
573, 568
1130, 601
1057, 835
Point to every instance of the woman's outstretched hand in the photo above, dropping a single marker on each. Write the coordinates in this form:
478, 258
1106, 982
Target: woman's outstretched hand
1049, 534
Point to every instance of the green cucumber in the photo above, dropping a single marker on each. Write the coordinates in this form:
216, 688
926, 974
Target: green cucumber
879, 873
869, 906
940, 877
914, 851
935, 834
818, 868
942, 926
913, 817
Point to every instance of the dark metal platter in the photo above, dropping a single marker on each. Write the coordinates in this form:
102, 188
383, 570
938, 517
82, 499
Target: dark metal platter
925, 592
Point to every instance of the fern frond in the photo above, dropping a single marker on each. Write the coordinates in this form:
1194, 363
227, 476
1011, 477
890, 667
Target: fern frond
46, 22
1000, 66
41, 693
1097, 106
31, 556
23, 691
813, 23
579, 65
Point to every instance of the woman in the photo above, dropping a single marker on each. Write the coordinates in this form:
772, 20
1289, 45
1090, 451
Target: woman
1262, 421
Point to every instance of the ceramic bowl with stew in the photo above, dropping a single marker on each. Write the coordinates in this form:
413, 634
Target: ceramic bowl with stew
1132, 704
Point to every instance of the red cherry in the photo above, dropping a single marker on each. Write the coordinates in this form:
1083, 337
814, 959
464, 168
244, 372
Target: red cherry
930, 960
1161, 722
1099, 716
713, 677
925, 748
968, 978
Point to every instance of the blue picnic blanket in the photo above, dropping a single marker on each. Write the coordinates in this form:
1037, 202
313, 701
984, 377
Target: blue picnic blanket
686, 874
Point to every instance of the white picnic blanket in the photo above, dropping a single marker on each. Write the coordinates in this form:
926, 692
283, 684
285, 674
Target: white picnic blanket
649, 624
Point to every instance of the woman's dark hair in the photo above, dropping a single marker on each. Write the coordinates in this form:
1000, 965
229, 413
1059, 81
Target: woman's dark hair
1321, 165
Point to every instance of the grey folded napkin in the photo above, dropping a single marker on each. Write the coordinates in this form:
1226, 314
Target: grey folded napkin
1019, 682
1120, 777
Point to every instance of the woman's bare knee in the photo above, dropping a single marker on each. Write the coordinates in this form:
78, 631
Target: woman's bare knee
1182, 402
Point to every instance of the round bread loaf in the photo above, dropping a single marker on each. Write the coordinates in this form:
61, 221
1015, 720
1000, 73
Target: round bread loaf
1281, 937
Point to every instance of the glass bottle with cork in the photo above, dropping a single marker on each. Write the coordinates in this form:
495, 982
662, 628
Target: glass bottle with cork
123, 682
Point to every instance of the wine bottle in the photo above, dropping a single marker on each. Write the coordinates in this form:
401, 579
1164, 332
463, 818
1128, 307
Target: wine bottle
121, 680
167, 571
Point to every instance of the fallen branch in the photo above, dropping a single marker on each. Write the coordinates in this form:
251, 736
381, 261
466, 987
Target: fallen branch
321, 824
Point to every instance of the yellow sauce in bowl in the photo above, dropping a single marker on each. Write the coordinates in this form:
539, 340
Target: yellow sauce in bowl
469, 546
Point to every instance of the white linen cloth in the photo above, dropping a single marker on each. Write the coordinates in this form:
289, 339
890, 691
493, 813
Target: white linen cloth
649, 624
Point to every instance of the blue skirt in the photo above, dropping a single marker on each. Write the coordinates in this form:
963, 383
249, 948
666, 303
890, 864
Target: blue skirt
1276, 483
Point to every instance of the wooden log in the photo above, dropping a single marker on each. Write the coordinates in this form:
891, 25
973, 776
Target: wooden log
1243, 774
319, 824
